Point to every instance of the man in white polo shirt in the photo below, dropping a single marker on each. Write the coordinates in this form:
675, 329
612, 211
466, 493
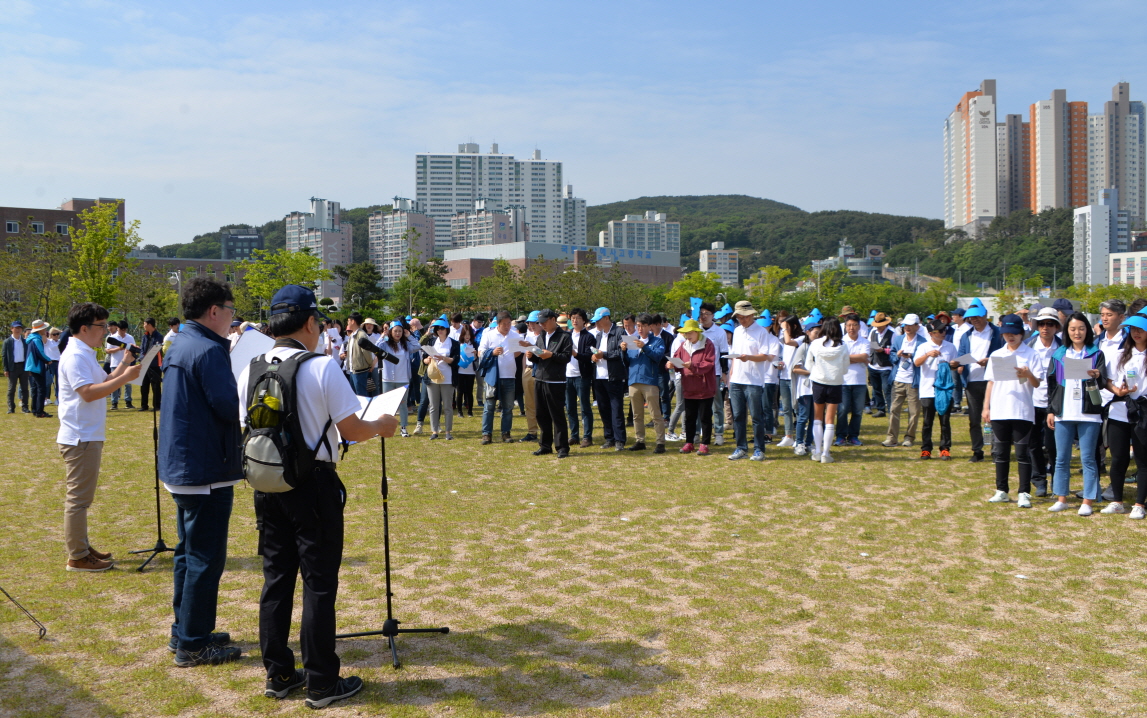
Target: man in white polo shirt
753, 349
854, 392
83, 412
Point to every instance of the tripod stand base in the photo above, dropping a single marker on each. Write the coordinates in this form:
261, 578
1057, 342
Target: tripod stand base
390, 629
160, 547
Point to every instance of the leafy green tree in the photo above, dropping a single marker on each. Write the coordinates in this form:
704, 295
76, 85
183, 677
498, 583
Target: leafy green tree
269, 270
705, 285
361, 279
939, 296
100, 246
767, 286
34, 275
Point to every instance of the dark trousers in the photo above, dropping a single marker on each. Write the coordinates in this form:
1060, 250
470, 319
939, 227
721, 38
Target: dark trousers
1121, 437
698, 409
851, 411
1041, 445
551, 413
610, 396
151, 380
464, 394
302, 531
39, 383
975, 392
201, 522
881, 382
958, 389
414, 394
578, 391
772, 399
929, 410
17, 377
1005, 434
358, 382
665, 387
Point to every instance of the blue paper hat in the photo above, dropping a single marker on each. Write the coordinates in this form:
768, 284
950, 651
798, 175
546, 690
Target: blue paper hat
684, 318
976, 310
1138, 321
729, 327
723, 312
695, 304
766, 319
815, 313
440, 323
872, 314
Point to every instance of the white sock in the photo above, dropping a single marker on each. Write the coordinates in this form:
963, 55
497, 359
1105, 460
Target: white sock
817, 435
829, 433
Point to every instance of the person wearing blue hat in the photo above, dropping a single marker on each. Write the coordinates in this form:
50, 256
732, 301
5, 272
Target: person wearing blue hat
610, 379
1128, 382
549, 372
14, 359
1009, 405
529, 389
980, 341
1041, 445
905, 382
441, 377
1065, 309
956, 332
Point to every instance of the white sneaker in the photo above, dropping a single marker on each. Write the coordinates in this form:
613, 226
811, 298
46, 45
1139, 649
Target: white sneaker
1000, 497
906, 442
786, 442
1115, 507
1024, 501
814, 456
718, 440
800, 450
826, 458
1057, 507
1085, 510
1138, 512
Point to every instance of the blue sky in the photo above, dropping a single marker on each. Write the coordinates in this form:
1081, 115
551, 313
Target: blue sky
210, 113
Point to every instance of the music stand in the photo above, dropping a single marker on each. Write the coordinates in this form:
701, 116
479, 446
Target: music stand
160, 546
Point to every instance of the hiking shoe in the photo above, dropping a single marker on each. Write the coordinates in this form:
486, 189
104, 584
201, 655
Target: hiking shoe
219, 639
99, 554
280, 686
1000, 497
1138, 512
758, 455
1115, 507
209, 655
738, 454
687, 449
1024, 501
702, 450
586, 443
486, 439
925, 455
659, 449
88, 564
945, 455
507, 439
344, 688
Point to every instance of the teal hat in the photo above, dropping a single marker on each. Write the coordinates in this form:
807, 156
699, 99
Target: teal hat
684, 318
440, 323
535, 316
1138, 321
766, 319
723, 312
601, 313
729, 327
815, 314
976, 310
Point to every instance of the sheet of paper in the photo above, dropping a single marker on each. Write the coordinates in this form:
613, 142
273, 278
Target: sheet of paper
629, 339
676, 362
1076, 368
429, 350
733, 355
966, 359
250, 345
145, 364
535, 350
1004, 369
386, 404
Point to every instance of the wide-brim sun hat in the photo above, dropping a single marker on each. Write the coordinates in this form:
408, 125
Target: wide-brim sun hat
1137, 321
689, 325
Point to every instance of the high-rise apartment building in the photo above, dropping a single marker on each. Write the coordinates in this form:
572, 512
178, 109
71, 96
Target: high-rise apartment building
970, 159
1013, 154
1058, 153
651, 231
321, 232
449, 183
722, 262
481, 226
573, 217
237, 243
1117, 152
389, 246
1101, 232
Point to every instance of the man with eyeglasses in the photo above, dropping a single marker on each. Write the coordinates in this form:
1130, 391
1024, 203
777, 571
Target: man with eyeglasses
199, 464
83, 387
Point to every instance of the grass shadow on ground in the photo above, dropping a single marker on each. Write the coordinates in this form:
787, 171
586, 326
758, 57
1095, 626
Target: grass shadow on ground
30, 689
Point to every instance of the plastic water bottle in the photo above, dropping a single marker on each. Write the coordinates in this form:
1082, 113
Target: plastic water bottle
987, 432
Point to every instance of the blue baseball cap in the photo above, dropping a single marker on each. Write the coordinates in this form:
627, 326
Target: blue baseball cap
601, 313
535, 316
294, 298
18, 323
1011, 324
957, 312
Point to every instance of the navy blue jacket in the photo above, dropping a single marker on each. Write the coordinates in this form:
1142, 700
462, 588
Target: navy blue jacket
965, 347
199, 431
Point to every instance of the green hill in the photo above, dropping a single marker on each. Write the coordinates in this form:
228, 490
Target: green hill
765, 232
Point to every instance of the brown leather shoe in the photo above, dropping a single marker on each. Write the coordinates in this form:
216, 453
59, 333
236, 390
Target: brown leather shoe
99, 554
89, 564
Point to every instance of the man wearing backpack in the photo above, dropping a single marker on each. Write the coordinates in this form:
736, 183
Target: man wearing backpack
302, 527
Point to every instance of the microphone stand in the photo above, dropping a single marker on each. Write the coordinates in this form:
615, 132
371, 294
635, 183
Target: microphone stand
43, 630
390, 627
160, 546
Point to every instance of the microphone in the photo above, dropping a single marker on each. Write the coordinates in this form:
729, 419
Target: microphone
120, 343
368, 345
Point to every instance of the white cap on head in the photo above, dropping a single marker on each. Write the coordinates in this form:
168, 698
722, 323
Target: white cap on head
910, 319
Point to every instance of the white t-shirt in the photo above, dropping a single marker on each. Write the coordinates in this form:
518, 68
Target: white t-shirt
455, 332
1134, 374
905, 369
1043, 360
978, 343
52, 349
80, 420
492, 339
753, 339
1012, 398
929, 367
115, 359
787, 353
443, 347
774, 348
572, 369
960, 331
802, 383
323, 393
1110, 348
602, 369
857, 374
720, 341
1073, 395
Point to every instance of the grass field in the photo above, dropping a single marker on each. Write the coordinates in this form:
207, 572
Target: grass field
632, 585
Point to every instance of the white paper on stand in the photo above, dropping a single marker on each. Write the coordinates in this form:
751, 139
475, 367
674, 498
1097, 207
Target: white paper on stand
1004, 368
388, 404
1076, 369
145, 363
967, 359
250, 345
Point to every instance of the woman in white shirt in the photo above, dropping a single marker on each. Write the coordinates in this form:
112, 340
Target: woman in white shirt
467, 363
402, 344
1128, 383
440, 388
928, 357
827, 361
1010, 407
791, 337
1073, 413
802, 389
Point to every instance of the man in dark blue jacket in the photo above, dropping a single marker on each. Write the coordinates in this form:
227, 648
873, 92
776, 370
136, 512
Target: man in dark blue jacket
199, 463
980, 341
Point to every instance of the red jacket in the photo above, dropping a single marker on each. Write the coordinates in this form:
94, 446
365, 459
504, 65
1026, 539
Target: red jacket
699, 380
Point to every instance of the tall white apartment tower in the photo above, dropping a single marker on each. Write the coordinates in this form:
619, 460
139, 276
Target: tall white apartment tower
446, 184
1117, 153
321, 232
970, 160
390, 245
573, 217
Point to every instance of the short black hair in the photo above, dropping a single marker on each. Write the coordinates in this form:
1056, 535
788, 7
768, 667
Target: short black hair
629, 318
123, 324
457, 317
80, 315
289, 322
645, 318
173, 322
579, 312
480, 317
202, 293
503, 315
547, 314
149, 320
356, 317
852, 318
709, 307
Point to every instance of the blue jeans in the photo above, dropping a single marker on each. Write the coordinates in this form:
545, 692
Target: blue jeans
201, 522
1088, 434
881, 382
358, 383
126, 392
804, 421
785, 397
505, 396
719, 406
579, 389
665, 387
851, 410
403, 410
748, 399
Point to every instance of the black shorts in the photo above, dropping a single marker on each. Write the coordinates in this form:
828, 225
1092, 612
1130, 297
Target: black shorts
825, 394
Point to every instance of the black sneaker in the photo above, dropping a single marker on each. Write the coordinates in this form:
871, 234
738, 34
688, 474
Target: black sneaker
659, 449
976, 458
639, 446
280, 686
345, 688
128, 405
219, 639
528, 438
210, 655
